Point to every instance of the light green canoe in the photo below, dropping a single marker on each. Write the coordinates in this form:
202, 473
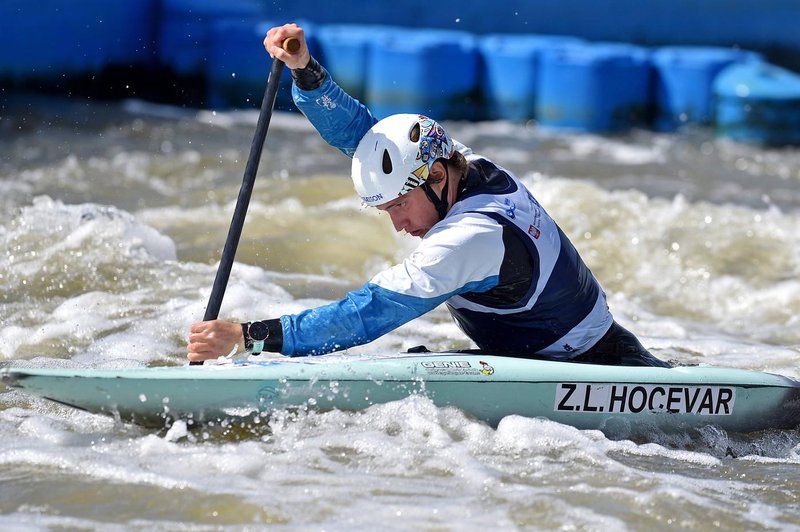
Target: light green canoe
489, 388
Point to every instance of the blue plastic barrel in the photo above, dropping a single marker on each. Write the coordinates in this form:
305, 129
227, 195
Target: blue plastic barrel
344, 49
238, 66
433, 72
684, 79
758, 103
511, 72
185, 29
594, 87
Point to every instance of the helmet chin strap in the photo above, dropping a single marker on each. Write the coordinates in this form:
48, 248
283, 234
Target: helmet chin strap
440, 203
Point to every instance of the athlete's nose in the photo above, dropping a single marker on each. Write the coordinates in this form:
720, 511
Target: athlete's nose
399, 221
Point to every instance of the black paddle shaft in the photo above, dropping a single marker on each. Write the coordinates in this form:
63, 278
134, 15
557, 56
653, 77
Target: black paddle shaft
245, 192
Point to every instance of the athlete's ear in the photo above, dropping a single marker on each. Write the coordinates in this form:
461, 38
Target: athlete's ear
438, 172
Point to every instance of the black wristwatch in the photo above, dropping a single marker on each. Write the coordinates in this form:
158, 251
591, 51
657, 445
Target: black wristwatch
255, 332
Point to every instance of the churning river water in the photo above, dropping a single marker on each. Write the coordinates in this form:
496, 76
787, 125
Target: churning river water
113, 217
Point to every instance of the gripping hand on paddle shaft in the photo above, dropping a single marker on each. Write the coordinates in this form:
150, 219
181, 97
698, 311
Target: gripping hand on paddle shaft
288, 43
213, 338
209, 340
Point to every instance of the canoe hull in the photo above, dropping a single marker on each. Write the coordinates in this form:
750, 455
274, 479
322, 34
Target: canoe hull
607, 398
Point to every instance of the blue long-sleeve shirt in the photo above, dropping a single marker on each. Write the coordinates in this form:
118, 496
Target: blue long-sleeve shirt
340, 119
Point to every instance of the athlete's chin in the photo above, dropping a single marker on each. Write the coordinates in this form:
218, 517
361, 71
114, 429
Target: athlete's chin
419, 233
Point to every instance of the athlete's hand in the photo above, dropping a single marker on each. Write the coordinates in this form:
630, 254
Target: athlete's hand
274, 45
213, 339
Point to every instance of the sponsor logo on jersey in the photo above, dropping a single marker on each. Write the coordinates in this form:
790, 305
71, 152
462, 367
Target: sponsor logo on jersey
511, 208
326, 102
636, 398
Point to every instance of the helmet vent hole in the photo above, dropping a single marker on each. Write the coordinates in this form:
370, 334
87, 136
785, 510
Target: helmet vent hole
387, 163
413, 135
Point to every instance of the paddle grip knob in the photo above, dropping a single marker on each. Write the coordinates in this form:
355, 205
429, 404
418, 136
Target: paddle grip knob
291, 45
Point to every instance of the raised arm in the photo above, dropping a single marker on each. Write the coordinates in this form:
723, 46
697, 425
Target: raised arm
340, 119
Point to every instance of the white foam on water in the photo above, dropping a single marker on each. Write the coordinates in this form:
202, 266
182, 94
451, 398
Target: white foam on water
581, 147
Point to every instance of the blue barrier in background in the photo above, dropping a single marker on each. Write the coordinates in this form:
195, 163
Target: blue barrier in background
758, 102
237, 67
762, 25
214, 49
511, 72
684, 79
344, 50
185, 29
48, 39
594, 87
434, 72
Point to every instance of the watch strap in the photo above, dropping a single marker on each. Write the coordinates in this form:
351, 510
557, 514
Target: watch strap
248, 342
257, 347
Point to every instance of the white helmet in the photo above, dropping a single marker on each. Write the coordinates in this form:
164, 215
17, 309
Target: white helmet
395, 156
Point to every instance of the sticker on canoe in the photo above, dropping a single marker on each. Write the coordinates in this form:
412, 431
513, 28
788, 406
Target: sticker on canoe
636, 398
457, 367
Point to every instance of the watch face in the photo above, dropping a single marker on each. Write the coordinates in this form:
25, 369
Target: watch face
258, 331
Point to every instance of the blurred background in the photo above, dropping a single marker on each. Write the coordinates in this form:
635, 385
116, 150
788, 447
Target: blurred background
581, 65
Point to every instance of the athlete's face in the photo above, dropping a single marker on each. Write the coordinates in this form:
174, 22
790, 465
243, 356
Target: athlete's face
413, 213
